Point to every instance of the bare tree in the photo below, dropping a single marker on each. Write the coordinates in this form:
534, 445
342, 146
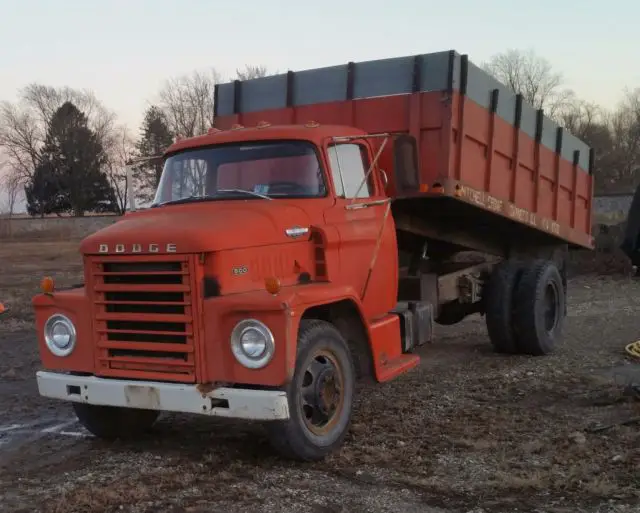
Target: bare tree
23, 125
46, 100
20, 138
532, 76
625, 128
579, 117
188, 102
10, 186
120, 150
251, 71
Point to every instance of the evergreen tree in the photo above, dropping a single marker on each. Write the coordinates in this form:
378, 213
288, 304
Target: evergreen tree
70, 175
44, 193
155, 138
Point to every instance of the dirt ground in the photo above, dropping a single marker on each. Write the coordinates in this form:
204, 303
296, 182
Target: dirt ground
468, 431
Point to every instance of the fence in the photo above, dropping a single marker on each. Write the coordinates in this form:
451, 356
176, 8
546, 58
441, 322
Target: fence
52, 228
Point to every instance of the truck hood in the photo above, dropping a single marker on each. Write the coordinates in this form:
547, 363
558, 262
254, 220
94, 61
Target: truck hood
198, 228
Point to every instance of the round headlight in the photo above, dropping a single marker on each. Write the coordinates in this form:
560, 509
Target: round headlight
252, 343
60, 335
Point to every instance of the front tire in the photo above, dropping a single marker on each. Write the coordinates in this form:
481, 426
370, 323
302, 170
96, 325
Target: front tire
113, 422
320, 395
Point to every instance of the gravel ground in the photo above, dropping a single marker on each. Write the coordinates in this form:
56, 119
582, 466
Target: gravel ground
468, 431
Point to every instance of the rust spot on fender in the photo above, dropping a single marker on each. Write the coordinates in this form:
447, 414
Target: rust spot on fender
206, 388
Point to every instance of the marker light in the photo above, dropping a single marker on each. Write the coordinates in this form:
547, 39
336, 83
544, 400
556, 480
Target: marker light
272, 284
47, 285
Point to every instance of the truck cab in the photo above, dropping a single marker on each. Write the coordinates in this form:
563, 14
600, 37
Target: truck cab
258, 285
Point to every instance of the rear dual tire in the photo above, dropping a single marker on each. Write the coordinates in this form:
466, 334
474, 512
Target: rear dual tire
499, 305
525, 306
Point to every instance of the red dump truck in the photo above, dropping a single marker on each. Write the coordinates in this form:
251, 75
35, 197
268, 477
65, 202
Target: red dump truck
312, 238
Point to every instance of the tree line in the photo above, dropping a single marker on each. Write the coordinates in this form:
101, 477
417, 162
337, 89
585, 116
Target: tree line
67, 152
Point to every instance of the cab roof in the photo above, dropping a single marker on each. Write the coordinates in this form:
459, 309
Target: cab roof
310, 132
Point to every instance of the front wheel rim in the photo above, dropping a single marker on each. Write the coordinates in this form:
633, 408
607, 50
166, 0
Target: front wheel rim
322, 393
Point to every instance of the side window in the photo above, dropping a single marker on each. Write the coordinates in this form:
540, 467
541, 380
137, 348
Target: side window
349, 166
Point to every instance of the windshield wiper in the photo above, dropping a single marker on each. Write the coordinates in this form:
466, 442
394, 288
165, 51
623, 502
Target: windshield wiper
193, 199
256, 194
188, 199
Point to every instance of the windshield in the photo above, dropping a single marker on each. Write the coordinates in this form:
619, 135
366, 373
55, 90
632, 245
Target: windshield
248, 170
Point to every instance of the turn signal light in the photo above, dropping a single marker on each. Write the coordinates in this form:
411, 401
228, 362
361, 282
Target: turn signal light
47, 285
272, 285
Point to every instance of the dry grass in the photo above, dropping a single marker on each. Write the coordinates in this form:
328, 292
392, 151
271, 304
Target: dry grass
468, 428
22, 267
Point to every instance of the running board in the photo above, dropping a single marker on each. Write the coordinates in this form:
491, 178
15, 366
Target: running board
399, 365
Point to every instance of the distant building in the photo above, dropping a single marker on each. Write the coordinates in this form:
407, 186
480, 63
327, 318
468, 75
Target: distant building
612, 207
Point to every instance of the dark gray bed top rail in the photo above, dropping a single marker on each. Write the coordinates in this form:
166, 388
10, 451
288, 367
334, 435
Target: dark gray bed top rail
440, 71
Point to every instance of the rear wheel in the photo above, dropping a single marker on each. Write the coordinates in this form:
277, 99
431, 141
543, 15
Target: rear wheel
320, 395
112, 422
539, 308
499, 305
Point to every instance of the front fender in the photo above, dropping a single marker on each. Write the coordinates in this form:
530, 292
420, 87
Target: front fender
281, 312
77, 307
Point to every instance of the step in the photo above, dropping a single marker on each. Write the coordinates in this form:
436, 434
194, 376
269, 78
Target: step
394, 368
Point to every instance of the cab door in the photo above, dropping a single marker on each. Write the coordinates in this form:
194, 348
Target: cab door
361, 215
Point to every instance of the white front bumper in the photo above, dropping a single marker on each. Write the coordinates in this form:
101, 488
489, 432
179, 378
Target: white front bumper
240, 403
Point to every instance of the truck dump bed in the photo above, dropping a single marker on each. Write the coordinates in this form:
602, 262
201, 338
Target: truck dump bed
478, 142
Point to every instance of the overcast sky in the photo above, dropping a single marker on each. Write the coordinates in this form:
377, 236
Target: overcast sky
124, 49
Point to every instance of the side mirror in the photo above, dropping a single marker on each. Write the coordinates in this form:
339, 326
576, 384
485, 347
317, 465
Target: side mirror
130, 191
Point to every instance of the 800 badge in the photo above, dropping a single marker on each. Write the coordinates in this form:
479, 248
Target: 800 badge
237, 271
